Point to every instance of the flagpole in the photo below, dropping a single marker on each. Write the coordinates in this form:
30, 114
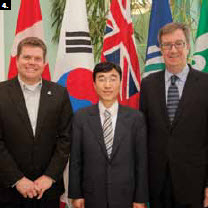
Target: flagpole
74, 64
2, 47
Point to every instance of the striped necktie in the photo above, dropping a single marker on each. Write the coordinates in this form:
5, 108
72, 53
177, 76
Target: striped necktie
173, 98
108, 132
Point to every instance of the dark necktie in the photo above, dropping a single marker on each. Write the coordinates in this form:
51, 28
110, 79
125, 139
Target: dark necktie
108, 132
173, 98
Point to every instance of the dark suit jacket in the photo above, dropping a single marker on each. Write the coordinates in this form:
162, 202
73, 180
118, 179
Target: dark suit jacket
22, 153
182, 145
104, 182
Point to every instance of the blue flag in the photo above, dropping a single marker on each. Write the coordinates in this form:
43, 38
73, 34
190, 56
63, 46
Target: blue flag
160, 15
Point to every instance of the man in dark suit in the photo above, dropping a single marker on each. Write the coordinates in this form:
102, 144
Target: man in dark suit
108, 157
175, 105
35, 117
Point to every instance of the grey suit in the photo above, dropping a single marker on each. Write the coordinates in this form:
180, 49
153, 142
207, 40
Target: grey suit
104, 182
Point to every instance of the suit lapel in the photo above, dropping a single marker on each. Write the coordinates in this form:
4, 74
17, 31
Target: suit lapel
186, 98
17, 97
95, 124
43, 106
119, 130
161, 93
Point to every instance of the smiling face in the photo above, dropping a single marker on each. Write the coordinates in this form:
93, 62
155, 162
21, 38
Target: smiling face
107, 86
175, 58
30, 64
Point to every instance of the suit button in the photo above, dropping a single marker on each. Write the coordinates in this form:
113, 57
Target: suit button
109, 179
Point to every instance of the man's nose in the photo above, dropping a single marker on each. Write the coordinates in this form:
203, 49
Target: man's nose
173, 47
32, 61
107, 83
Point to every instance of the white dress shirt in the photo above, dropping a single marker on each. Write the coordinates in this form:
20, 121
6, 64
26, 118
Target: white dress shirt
113, 110
32, 97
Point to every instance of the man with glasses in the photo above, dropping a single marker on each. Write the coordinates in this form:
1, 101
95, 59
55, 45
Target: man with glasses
108, 157
175, 104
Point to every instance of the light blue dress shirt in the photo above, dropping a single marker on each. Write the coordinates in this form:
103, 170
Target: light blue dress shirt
179, 83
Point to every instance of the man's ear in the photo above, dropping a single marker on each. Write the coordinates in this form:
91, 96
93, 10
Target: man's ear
188, 48
160, 49
94, 85
17, 61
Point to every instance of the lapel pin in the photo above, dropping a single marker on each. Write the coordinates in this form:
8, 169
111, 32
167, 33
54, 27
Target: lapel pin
49, 93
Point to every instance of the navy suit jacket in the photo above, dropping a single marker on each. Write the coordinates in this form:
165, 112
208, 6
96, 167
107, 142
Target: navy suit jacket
104, 182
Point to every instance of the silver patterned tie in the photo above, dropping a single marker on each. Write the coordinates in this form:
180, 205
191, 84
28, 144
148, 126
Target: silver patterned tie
173, 98
108, 132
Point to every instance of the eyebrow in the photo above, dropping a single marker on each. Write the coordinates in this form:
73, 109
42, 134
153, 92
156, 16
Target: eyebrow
174, 41
103, 75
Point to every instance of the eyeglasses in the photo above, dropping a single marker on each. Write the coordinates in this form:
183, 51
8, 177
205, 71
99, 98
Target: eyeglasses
177, 44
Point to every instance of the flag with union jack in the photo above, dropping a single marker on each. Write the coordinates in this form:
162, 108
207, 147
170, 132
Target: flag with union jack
119, 48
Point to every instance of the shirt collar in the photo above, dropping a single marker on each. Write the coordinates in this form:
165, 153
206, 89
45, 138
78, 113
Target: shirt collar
33, 87
182, 75
113, 109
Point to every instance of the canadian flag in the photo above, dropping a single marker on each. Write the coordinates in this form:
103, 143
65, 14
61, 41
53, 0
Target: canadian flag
29, 23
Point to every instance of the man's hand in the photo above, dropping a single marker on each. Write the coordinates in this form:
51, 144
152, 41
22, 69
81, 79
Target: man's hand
139, 205
26, 188
78, 203
205, 201
42, 184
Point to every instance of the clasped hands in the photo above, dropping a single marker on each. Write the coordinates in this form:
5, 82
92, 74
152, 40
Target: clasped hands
31, 189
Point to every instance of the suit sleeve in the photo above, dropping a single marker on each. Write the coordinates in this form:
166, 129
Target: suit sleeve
62, 149
141, 193
75, 165
143, 104
9, 171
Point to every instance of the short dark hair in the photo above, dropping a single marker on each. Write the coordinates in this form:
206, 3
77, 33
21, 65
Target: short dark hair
106, 67
171, 27
34, 42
